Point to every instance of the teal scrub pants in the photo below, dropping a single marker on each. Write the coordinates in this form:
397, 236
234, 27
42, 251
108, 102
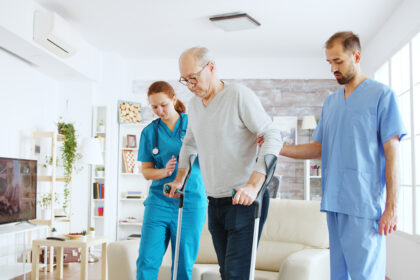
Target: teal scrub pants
159, 226
357, 250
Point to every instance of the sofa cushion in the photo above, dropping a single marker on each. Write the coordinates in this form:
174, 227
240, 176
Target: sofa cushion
296, 221
202, 268
259, 275
206, 252
123, 254
271, 255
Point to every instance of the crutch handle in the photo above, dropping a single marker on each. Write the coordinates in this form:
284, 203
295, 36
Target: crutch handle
167, 188
270, 163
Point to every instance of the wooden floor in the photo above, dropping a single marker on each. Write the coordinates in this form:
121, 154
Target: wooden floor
70, 271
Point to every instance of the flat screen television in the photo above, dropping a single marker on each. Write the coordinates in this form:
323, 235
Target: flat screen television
18, 180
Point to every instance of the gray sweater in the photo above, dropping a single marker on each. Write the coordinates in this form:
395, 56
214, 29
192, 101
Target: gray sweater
223, 136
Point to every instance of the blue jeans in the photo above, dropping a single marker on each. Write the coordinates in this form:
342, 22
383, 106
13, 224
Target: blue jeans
232, 228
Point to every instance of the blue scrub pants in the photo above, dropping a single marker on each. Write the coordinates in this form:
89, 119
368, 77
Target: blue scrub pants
159, 226
232, 230
357, 250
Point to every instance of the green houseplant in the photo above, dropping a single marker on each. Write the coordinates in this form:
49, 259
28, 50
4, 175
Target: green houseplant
45, 204
92, 231
69, 155
100, 171
83, 236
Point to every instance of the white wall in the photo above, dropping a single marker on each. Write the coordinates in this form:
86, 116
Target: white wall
403, 253
403, 257
32, 101
75, 106
116, 84
16, 33
394, 34
240, 68
29, 101
34, 97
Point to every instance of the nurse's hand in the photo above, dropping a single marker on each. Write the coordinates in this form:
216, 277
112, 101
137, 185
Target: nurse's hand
260, 140
170, 167
245, 195
174, 186
388, 222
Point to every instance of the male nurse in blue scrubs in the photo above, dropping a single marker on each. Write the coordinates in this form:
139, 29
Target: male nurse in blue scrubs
358, 137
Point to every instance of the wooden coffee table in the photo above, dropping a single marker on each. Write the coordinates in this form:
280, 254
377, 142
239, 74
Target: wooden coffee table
60, 245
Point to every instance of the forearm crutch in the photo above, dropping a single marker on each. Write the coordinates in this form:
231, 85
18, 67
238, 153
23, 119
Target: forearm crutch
270, 163
180, 207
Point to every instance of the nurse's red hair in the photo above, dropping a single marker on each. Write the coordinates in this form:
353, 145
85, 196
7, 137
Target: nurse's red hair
166, 88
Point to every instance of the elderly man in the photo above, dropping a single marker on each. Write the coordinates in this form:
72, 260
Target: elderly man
358, 136
223, 121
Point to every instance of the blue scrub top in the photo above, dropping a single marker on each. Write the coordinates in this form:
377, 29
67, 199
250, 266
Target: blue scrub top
169, 144
352, 133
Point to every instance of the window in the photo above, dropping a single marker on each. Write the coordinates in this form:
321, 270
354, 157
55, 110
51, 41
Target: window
402, 73
416, 97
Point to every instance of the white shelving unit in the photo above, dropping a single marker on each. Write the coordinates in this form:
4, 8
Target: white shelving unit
130, 208
97, 217
15, 248
310, 178
52, 138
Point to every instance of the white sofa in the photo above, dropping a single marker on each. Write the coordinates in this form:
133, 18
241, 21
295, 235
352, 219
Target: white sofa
293, 245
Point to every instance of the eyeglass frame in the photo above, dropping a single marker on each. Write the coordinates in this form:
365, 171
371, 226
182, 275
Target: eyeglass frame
194, 79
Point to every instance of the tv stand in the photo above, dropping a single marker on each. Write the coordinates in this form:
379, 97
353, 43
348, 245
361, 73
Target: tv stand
18, 243
30, 223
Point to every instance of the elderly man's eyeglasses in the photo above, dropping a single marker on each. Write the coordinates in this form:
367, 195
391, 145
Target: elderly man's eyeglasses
194, 79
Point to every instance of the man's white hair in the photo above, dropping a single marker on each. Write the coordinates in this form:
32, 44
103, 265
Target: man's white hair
201, 54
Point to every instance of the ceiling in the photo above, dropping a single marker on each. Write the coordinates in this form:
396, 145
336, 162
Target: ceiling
162, 29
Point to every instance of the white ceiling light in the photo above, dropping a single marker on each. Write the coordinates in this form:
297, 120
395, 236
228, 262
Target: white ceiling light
234, 21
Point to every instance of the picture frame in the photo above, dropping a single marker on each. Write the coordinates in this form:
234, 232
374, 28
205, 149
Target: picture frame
288, 128
129, 112
131, 141
129, 161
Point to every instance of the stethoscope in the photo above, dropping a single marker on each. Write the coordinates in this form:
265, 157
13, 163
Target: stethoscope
155, 150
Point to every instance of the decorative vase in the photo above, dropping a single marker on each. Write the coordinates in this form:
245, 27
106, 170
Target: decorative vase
92, 233
83, 238
101, 128
45, 214
45, 171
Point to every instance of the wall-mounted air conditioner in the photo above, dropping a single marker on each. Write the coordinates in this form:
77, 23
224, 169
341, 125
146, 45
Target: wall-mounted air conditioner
52, 32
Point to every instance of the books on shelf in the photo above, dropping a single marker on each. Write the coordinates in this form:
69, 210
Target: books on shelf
134, 236
134, 195
98, 191
130, 220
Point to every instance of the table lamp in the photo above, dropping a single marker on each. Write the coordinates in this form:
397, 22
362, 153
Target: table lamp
309, 123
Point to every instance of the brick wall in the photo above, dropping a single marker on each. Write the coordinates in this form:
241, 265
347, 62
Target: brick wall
279, 98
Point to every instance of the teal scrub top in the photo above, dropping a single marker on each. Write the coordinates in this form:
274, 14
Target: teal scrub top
352, 133
169, 144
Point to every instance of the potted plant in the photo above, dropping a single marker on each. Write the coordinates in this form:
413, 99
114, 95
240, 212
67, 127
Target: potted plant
92, 231
101, 126
100, 171
69, 156
84, 236
46, 166
45, 204
53, 232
